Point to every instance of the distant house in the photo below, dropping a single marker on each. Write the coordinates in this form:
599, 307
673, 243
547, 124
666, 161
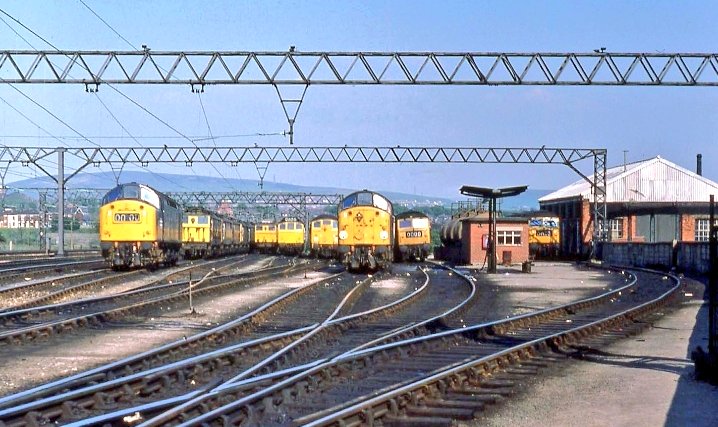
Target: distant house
652, 200
20, 220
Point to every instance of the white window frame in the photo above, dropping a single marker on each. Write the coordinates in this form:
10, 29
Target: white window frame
702, 230
508, 237
615, 228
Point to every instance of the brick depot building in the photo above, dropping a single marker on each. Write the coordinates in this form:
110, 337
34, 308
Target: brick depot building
651, 201
465, 240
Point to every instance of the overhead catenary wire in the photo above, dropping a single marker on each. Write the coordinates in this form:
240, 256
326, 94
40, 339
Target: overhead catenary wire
54, 47
140, 106
108, 25
209, 130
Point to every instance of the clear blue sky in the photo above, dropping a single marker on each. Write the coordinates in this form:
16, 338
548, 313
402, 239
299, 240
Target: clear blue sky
675, 123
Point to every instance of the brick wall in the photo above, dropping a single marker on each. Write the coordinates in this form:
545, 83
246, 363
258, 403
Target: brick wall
474, 251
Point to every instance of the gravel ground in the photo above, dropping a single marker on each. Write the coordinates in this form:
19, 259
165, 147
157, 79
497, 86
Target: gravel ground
644, 380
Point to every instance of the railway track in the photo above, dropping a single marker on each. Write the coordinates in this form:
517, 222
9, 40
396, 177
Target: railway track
96, 282
276, 340
12, 274
38, 322
428, 380
291, 377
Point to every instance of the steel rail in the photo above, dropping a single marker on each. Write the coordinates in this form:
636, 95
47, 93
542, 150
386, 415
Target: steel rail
490, 327
380, 404
153, 373
104, 371
51, 328
241, 379
147, 376
233, 385
9, 274
314, 331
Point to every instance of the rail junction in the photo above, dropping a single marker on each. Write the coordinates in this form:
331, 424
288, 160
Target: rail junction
318, 345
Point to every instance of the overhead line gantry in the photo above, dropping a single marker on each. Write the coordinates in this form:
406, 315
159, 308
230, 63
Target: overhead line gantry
293, 67
600, 67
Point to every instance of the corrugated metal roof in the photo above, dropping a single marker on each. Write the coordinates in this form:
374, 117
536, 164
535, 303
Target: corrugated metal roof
652, 180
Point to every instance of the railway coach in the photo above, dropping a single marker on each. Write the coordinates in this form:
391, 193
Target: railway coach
139, 227
413, 236
366, 230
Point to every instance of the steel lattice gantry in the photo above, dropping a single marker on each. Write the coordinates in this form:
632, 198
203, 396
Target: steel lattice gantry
143, 156
297, 202
253, 154
359, 68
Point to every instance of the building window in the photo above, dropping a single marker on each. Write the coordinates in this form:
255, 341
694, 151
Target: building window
508, 237
702, 230
616, 228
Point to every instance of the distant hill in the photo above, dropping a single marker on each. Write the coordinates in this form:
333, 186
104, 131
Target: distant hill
177, 183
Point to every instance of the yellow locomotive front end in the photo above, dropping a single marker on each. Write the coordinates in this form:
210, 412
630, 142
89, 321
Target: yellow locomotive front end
413, 236
200, 234
324, 236
290, 236
544, 237
139, 227
265, 237
366, 230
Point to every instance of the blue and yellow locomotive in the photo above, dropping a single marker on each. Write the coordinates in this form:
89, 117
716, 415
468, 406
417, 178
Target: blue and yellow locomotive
413, 236
366, 230
139, 227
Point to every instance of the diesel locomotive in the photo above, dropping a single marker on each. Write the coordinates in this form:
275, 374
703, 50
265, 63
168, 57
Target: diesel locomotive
413, 236
265, 237
290, 236
139, 227
366, 230
323, 236
544, 236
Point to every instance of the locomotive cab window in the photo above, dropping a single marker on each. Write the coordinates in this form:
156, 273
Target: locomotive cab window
349, 201
420, 222
381, 203
317, 224
112, 195
405, 223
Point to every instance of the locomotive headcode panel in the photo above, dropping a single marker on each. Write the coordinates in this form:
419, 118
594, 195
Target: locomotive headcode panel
413, 236
127, 217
